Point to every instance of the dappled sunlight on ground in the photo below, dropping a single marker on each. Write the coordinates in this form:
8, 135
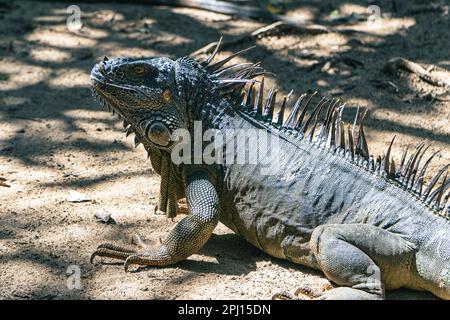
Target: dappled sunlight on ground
54, 137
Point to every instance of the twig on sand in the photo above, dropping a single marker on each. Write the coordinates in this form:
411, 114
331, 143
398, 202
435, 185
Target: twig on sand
393, 65
275, 28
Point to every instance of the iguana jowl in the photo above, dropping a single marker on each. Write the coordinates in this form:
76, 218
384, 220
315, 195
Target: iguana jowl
367, 223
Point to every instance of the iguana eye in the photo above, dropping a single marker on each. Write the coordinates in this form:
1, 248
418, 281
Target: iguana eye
166, 95
139, 70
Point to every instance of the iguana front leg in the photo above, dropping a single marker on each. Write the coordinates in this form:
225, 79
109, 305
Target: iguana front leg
188, 236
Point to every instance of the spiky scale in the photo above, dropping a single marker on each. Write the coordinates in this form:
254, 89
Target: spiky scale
211, 57
392, 169
230, 85
350, 143
240, 99
305, 108
249, 73
416, 168
313, 129
125, 124
250, 98
419, 184
445, 185
316, 111
341, 135
412, 162
330, 110
234, 66
280, 116
378, 165
361, 144
244, 73
259, 100
266, 103
386, 161
271, 106
292, 118
355, 121
316, 115
336, 128
332, 131
444, 202
434, 181
217, 65
402, 161
409, 164
340, 138
371, 164
406, 168
440, 192
323, 133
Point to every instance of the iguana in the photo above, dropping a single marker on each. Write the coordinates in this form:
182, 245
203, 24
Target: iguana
324, 202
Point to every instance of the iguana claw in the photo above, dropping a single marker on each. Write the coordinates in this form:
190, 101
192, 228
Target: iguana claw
311, 293
285, 295
111, 250
304, 292
134, 259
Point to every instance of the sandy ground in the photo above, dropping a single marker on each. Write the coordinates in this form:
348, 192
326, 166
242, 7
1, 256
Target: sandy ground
54, 137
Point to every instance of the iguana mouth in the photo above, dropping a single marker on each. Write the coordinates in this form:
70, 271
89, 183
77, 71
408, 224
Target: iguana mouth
105, 101
153, 130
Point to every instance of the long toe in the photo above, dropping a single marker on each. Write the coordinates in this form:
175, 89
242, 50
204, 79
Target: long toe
311, 292
285, 295
112, 251
112, 246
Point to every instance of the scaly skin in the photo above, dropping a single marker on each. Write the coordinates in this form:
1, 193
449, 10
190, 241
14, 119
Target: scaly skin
326, 203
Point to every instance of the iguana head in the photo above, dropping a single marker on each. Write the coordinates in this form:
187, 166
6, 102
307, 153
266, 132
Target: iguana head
157, 96
150, 94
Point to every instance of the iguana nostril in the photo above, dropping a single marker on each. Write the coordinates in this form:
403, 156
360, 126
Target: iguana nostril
159, 134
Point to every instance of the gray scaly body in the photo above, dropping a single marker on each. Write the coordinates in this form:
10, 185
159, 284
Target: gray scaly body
368, 224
